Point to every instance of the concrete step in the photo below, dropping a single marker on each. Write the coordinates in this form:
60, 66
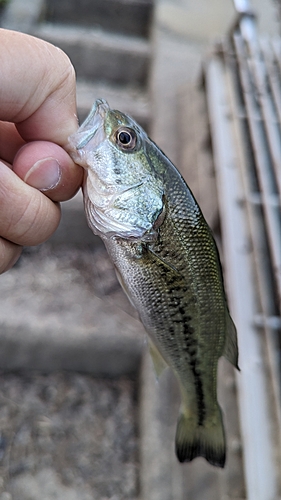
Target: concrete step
130, 17
128, 100
21, 16
64, 310
97, 55
73, 229
68, 436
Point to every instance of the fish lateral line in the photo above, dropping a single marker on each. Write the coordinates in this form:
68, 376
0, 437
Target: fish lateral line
200, 400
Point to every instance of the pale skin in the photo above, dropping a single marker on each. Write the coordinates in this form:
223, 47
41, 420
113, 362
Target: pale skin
37, 115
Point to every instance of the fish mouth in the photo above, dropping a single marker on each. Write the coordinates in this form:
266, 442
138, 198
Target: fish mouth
91, 133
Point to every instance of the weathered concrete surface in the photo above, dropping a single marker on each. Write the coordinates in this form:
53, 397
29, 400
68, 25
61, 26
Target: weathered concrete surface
205, 21
130, 17
177, 63
60, 311
98, 55
67, 437
199, 21
21, 16
73, 229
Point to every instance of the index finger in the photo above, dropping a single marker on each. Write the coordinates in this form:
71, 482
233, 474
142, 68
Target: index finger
37, 88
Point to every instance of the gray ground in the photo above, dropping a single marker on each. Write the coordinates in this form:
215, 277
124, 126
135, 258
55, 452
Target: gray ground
67, 436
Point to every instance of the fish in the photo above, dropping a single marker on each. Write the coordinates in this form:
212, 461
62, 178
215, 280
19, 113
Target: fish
167, 262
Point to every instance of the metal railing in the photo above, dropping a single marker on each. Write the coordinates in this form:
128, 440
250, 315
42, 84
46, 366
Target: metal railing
243, 85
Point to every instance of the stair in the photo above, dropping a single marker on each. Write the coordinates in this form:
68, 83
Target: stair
129, 17
101, 56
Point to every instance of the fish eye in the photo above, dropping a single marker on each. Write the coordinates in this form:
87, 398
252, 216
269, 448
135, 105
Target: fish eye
126, 138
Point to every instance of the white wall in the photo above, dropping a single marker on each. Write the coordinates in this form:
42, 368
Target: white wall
205, 20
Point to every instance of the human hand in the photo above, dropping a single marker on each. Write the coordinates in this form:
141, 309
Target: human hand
38, 113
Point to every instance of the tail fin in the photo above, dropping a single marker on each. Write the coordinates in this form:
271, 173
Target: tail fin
206, 440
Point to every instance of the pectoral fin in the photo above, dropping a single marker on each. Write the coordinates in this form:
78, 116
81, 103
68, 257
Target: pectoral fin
158, 361
170, 268
123, 286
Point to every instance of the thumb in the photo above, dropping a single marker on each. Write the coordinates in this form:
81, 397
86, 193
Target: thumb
47, 167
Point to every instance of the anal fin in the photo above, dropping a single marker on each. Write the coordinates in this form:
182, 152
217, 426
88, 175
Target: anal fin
158, 361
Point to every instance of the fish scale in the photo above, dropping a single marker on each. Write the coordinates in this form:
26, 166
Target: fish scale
167, 262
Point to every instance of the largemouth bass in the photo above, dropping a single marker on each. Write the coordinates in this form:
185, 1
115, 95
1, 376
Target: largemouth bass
167, 262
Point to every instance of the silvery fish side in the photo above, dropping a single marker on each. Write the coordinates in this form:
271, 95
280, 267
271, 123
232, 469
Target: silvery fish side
167, 262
